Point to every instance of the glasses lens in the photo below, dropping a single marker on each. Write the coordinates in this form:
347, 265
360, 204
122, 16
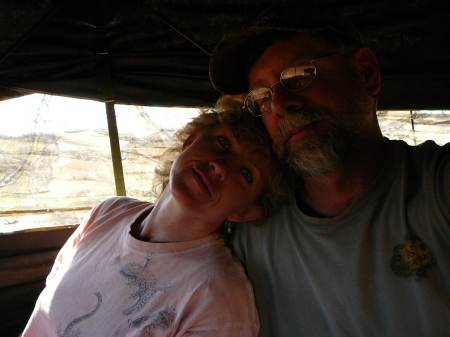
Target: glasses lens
259, 101
298, 74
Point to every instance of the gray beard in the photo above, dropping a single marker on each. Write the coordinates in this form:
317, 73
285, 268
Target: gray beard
322, 152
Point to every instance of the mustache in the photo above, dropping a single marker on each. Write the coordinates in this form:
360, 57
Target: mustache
303, 118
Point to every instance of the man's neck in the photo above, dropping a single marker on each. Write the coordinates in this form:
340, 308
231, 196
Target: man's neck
331, 194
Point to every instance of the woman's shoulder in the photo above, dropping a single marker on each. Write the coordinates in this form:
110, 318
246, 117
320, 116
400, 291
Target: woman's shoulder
222, 269
118, 204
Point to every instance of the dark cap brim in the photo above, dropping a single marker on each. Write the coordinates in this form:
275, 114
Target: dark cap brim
228, 67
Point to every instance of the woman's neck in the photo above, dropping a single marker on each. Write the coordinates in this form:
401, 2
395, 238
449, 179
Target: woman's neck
168, 222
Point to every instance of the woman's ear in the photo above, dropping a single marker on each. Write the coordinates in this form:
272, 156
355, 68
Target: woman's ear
189, 141
367, 66
248, 214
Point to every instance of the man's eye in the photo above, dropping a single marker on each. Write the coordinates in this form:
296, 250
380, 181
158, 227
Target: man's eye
263, 104
224, 142
247, 175
262, 101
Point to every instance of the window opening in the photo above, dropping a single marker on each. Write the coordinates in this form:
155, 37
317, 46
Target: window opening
55, 159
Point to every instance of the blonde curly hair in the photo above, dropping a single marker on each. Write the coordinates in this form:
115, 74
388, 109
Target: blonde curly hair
229, 112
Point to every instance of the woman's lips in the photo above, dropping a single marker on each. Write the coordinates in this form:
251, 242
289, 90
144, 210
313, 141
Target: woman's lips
202, 182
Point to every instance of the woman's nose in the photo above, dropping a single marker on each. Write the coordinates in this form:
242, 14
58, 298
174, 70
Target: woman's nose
285, 101
218, 169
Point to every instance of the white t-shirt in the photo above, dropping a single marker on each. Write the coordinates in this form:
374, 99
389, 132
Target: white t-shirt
106, 283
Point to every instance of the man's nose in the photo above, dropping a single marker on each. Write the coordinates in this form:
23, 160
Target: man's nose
285, 101
218, 169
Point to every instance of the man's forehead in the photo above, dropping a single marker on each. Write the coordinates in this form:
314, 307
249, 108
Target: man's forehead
281, 53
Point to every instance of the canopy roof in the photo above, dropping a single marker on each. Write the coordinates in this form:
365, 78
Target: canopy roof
156, 52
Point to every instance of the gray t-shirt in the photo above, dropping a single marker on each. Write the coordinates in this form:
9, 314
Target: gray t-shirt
341, 277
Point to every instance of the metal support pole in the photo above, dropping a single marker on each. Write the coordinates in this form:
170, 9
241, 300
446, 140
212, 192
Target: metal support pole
109, 99
411, 118
115, 148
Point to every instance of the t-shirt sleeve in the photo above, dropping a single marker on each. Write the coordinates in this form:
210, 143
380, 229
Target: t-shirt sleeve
78, 234
230, 315
222, 304
70, 244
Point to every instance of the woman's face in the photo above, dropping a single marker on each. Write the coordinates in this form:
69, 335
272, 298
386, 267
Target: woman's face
217, 177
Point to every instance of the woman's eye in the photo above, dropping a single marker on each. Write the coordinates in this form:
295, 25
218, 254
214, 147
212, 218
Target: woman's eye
247, 175
224, 142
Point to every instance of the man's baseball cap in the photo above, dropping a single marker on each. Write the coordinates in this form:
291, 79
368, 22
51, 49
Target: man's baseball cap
230, 61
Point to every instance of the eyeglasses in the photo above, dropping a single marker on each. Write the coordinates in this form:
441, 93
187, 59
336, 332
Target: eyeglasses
296, 76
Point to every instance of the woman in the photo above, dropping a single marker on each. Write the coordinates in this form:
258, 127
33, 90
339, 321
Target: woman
133, 268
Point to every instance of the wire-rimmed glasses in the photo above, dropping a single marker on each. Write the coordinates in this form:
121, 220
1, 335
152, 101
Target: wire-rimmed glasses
296, 76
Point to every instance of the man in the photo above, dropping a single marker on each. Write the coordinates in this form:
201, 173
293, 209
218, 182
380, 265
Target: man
363, 250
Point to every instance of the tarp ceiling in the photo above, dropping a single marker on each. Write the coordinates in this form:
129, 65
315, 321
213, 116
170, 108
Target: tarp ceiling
71, 47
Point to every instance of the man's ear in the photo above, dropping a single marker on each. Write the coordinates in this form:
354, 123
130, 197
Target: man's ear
248, 214
189, 140
367, 66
